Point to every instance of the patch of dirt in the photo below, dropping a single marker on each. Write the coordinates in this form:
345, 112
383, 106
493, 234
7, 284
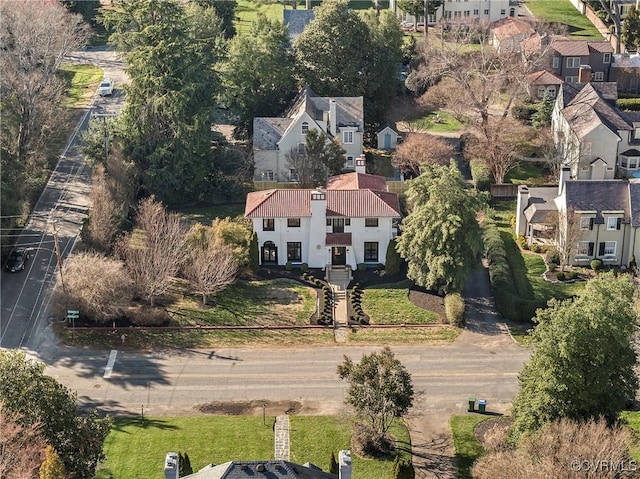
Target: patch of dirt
271, 408
428, 301
484, 427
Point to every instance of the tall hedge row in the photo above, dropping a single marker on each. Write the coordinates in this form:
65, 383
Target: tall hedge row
505, 295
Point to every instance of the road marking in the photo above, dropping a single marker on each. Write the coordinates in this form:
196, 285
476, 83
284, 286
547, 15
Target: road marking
112, 359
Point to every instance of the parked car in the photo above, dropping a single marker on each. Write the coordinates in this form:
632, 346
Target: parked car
17, 260
106, 87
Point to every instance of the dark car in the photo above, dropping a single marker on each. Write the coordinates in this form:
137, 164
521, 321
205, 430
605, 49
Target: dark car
17, 260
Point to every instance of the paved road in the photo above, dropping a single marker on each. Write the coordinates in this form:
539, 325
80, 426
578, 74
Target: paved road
62, 206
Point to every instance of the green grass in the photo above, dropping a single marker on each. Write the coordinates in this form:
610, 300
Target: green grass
136, 448
443, 334
527, 173
82, 81
376, 301
428, 122
632, 419
467, 448
247, 12
520, 334
561, 11
206, 214
543, 289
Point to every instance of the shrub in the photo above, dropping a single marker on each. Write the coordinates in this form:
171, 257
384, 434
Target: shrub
553, 256
402, 469
572, 275
560, 276
362, 266
304, 267
454, 309
254, 252
288, 266
536, 248
632, 104
596, 265
480, 174
393, 261
522, 241
523, 112
632, 263
148, 316
552, 267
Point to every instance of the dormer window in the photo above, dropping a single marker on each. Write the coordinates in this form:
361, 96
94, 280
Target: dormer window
305, 127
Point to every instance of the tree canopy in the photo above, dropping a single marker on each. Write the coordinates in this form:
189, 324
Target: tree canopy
320, 158
39, 399
416, 8
440, 236
583, 363
630, 35
380, 388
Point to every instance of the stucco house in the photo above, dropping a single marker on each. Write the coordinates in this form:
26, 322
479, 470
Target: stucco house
598, 219
469, 11
594, 137
341, 118
347, 223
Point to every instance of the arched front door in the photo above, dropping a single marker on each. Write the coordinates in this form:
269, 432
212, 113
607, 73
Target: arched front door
269, 253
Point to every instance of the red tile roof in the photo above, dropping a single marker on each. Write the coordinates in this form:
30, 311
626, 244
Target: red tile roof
338, 239
356, 181
278, 204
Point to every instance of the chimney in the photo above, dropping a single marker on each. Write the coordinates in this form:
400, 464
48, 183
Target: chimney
584, 74
332, 117
361, 164
171, 466
565, 174
344, 464
522, 203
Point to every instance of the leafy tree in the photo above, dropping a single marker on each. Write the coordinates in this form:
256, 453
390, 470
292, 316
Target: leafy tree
154, 253
422, 149
52, 467
542, 117
340, 54
259, 76
21, 446
321, 158
583, 364
170, 50
380, 389
416, 8
97, 286
441, 236
225, 11
235, 235
40, 400
631, 29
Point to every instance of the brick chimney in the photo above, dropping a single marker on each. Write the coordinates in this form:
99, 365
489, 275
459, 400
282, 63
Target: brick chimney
344, 464
171, 466
584, 74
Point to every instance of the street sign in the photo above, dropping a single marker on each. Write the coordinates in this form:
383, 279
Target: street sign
73, 314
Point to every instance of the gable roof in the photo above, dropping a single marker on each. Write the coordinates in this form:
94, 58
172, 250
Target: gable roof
253, 469
542, 207
291, 203
581, 48
267, 132
598, 196
356, 181
544, 77
509, 27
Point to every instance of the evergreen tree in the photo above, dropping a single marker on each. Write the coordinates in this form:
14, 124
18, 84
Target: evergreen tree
393, 261
254, 252
631, 29
542, 117
52, 467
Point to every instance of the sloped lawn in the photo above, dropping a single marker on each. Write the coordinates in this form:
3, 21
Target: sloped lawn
390, 304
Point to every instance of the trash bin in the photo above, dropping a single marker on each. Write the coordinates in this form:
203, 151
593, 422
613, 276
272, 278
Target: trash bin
472, 404
482, 405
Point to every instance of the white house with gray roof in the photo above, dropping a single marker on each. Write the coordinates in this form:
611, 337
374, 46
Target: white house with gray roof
341, 118
349, 222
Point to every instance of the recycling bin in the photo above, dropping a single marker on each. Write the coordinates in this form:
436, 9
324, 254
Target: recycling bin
472, 404
482, 405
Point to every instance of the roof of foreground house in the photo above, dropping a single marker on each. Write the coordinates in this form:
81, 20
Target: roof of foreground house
260, 469
582, 48
599, 196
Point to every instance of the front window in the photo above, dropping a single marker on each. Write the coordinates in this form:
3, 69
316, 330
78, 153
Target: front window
571, 79
585, 248
338, 224
268, 175
613, 223
371, 222
268, 224
633, 162
503, 11
598, 76
467, 13
293, 174
586, 223
301, 147
610, 248
294, 251
371, 251
347, 137
293, 222
486, 11
606, 58
573, 62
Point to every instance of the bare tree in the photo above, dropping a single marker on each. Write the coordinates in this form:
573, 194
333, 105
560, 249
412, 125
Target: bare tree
211, 270
35, 37
97, 286
567, 232
319, 158
564, 449
550, 153
420, 149
496, 143
612, 7
21, 447
155, 251
102, 225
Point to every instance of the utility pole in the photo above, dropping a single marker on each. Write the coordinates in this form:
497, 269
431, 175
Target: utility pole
104, 117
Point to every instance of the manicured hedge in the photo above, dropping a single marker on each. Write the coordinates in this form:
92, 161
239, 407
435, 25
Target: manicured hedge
454, 309
632, 104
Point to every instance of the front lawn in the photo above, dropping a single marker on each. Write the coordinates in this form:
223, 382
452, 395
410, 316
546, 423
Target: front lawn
439, 334
438, 121
467, 447
389, 304
136, 448
561, 11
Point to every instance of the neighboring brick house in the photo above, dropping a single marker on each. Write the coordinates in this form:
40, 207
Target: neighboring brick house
593, 136
341, 118
349, 222
605, 225
567, 56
